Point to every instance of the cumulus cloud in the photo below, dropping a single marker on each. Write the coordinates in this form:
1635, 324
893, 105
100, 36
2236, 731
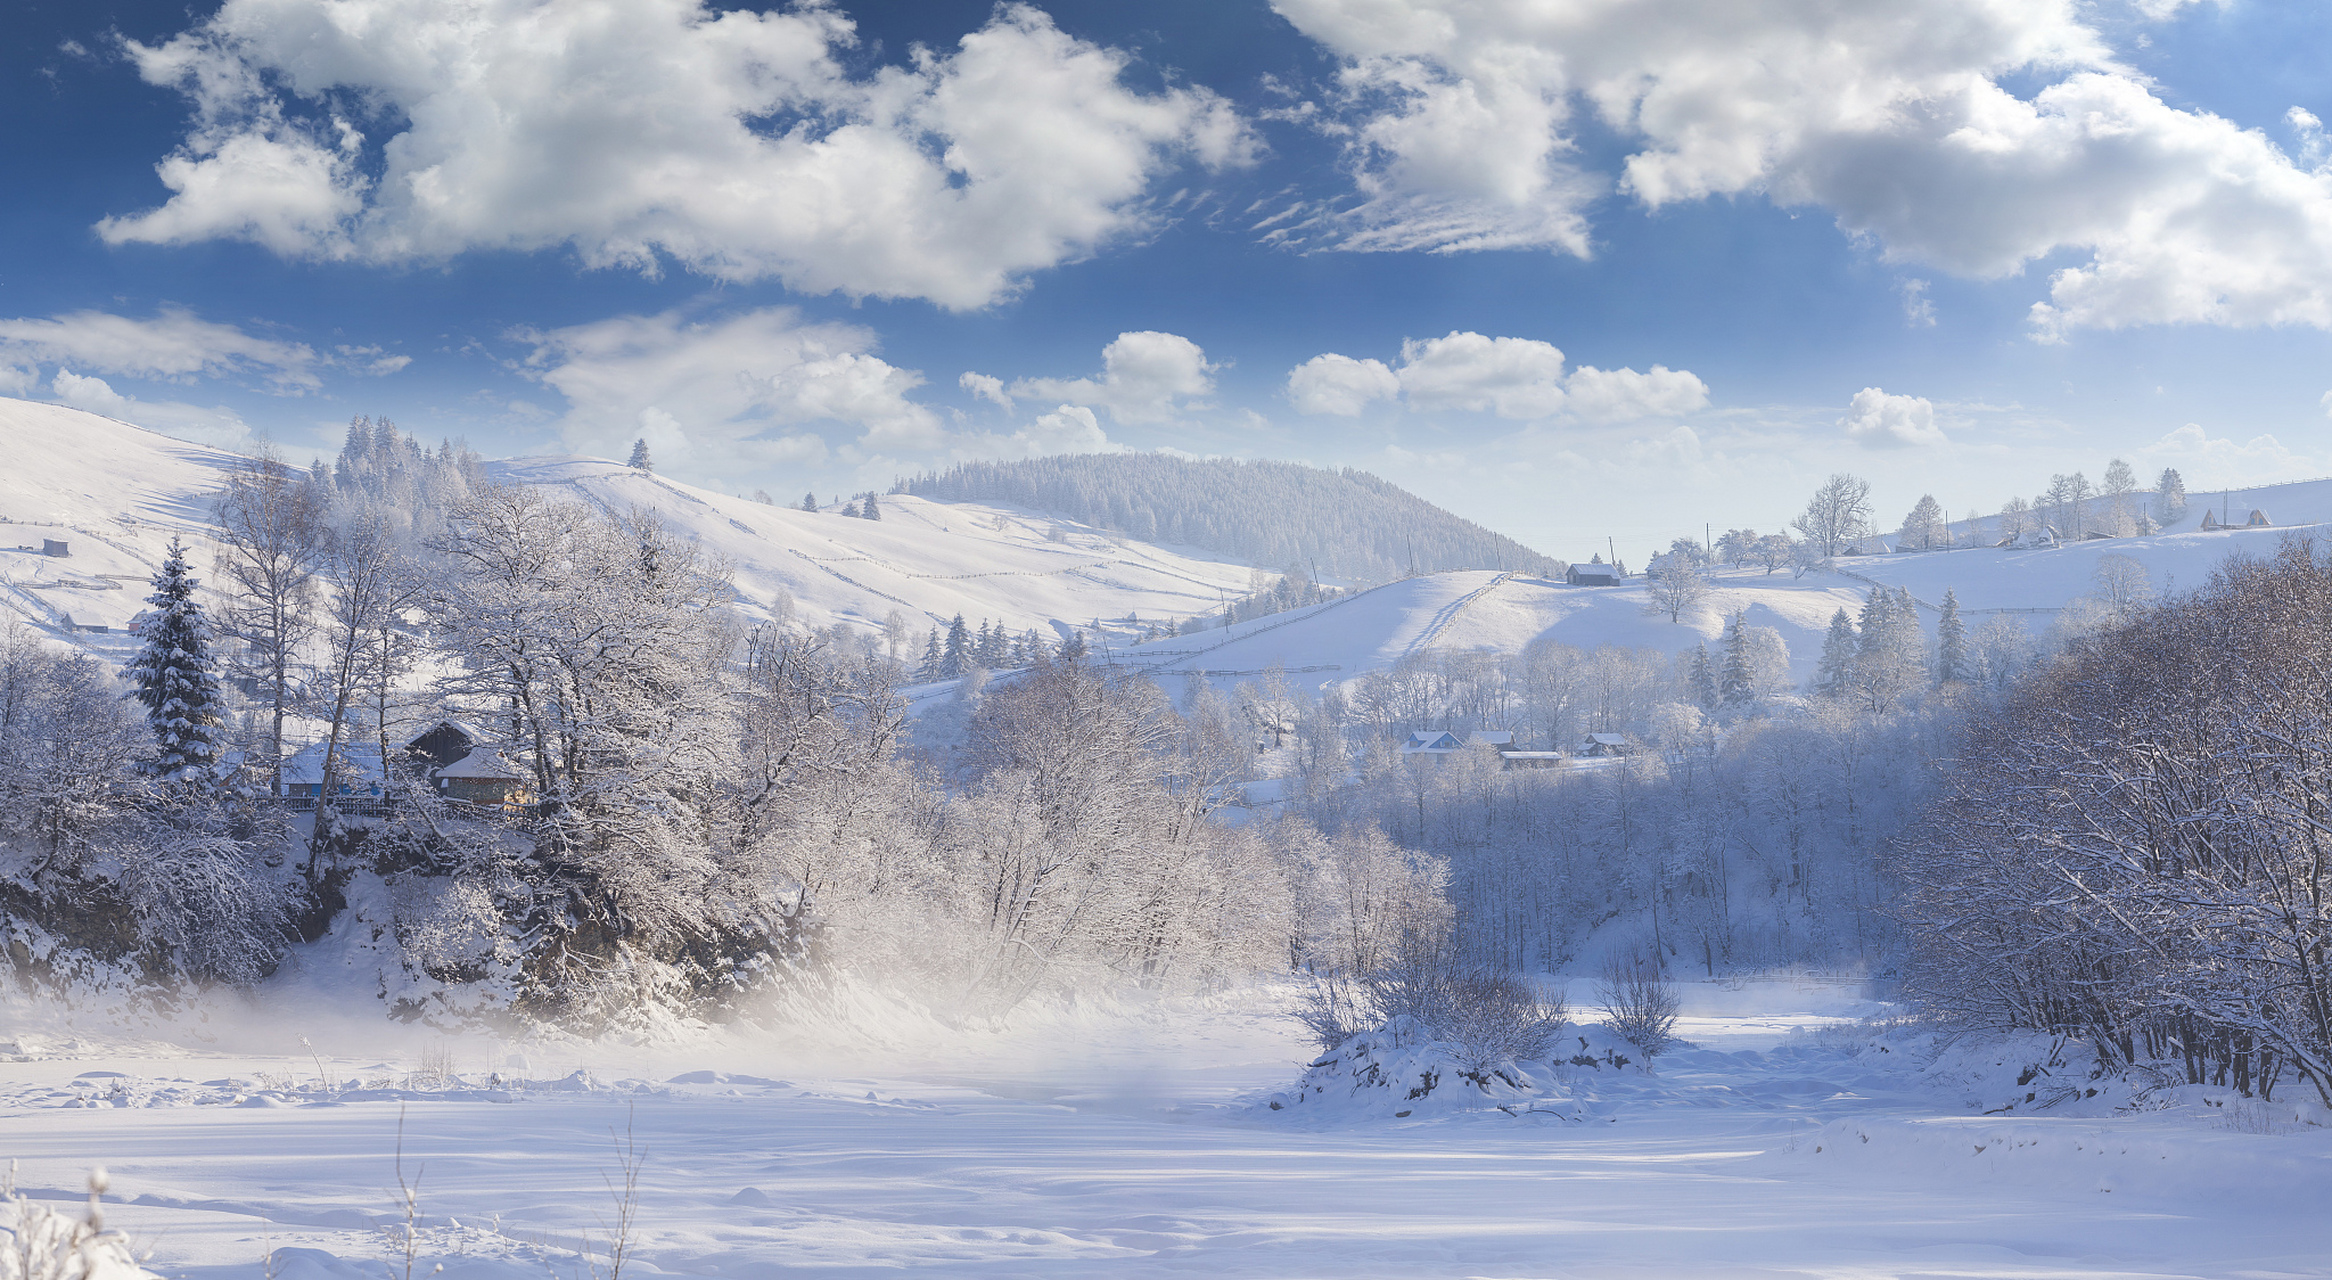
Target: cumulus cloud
1976, 137
215, 426
735, 143
174, 346
1146, 376
1518, 378
732, 391
1340, 385
986, 388
1882, 421
2207, 461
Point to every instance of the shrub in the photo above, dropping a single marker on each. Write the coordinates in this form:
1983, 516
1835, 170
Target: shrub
1639, 1002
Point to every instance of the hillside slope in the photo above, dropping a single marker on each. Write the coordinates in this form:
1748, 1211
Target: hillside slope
927, 560
1351, 524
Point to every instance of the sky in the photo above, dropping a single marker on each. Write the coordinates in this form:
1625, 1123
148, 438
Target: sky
1577, 269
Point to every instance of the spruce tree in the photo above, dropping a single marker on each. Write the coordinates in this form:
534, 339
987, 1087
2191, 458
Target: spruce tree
928, 669
810, 502
872, 509
1700, 684
1073, 648
956, 658
1738, 685
640, 460
1951, 642
175, 680
1835, 673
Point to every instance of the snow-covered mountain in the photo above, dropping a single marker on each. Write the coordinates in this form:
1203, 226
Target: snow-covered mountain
117, 493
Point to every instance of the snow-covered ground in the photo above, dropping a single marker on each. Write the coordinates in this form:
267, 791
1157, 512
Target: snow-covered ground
1126, 1140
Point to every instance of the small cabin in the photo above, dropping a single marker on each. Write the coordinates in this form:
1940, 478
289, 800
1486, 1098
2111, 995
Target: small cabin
1433, 742
1599, 745
57, 547
1591, 575
2258, 520
482, 777
443, 743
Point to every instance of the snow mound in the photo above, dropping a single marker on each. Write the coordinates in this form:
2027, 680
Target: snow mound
1405, 1070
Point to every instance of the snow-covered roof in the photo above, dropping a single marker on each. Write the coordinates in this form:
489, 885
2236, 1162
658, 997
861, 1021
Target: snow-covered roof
483, 763
1608, 739
359, 763
1494, 737
466, 728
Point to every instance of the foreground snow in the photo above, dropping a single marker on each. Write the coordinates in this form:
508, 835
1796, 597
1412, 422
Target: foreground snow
1135, 1141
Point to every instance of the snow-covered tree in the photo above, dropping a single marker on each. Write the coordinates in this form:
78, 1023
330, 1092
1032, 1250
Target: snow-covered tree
1837, 514
958, 656
2122, 584
1700, 680
810, 502
1737, 547
271, 533
1951, 642
1774, 551
1737, 686
1926, 528
640, 459
871, 508
2169, 496
1676, 588
2116, 487
1834, 674
174, 679
2016, 519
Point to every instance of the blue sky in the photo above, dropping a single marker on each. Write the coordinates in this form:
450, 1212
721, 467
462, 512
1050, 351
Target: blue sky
1575, 269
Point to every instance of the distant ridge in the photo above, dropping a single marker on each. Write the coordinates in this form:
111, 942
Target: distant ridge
1273, 514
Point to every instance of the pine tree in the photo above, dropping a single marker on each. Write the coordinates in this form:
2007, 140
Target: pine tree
957, 657
640, 460
928, 669
1073, 648
174, 678
810, 502
1738, 685
872, 509
1835, 673
1700, 684
1951, 642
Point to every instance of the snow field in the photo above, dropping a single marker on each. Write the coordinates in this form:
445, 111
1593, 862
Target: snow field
1131, 1139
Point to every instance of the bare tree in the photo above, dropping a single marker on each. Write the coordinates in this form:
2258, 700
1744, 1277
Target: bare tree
371, 584
2122, 584
271, 522
1926, 528
1837, 514
2119, 482
1676, 587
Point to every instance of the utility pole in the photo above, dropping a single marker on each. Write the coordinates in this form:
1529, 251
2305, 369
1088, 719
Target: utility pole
1611, 545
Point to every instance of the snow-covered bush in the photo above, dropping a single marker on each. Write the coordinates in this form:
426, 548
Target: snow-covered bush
1639, 1002
43, 1244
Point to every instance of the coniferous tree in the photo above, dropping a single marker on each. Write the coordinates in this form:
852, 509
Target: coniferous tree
175, 680
640, 460
957, 657
1073, 648
1951, 642
1700, 684
810, 502
1738, 684
1835, 673
928, 669
871, 509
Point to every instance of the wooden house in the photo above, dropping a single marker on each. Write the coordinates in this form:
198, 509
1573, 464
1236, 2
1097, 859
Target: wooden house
1591, 575
1599, 745
460, 764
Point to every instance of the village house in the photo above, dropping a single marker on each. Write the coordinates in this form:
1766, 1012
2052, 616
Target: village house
1591, 575
459, 764
1600, 745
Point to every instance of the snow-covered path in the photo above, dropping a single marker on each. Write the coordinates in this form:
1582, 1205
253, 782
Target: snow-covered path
1126, 1145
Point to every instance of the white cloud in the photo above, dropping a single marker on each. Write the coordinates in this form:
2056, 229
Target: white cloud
1511, 377
1518, 378
216, 426
1918, 308
1882, 421
1459, 121
1146, 377
1339, 384
2207, 462
986, 388
1068, 429
174, 346
736, 143
2326, 404
723, 393
1620, 395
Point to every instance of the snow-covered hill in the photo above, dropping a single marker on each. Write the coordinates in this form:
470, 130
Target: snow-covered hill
116, 493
